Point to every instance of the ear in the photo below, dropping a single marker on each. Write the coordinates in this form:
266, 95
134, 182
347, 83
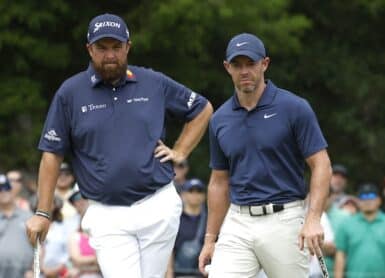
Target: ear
89, 49
265, 63
227, 67
128, 46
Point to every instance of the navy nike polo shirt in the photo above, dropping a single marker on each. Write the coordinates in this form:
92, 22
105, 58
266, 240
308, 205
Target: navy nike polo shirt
111, 132
265, 149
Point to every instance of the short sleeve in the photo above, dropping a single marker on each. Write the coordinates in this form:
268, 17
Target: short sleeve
181, 102
218, 160
56, 131
307, 130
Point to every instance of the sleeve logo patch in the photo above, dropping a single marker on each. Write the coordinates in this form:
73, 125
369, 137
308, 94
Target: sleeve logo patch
191, 99
52, 136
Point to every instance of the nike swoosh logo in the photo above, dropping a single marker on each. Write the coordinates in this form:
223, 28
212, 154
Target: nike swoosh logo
266, 116
241, 43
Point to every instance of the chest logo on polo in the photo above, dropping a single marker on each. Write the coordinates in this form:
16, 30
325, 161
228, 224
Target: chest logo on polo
92, 107
267, 116
137, 99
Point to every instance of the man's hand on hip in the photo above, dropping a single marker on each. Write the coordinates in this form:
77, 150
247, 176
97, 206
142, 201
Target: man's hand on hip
165, 153
37, 227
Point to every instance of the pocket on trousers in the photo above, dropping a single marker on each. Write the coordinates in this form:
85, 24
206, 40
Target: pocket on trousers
292, 215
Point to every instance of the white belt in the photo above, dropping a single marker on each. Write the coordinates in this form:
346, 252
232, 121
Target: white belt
265, 209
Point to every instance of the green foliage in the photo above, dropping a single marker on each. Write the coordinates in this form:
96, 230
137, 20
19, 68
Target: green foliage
29, 52
342, 65
330, 52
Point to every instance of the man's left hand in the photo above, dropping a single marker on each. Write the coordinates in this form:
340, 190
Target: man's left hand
312, 235
166, 154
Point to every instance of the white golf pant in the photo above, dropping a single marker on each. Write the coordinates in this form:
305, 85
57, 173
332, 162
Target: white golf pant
135, 241
247, 244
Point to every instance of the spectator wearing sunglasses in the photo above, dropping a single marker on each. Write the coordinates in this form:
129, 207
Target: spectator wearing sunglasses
64, 189
361, 238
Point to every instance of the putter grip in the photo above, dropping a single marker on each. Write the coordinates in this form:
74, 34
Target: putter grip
323, 267
36, 260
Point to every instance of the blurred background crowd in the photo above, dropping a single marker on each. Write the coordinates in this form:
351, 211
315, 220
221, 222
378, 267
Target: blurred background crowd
353, 223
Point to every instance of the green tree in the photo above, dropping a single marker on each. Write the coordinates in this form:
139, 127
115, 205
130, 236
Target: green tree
186, 39
29, 50
341, 71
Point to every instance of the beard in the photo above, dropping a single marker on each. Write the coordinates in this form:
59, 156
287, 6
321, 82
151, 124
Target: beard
111, 71
249, 89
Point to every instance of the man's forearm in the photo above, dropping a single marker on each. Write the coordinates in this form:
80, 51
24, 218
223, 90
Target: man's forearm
218, 204
193, 131
48, 175
319, 183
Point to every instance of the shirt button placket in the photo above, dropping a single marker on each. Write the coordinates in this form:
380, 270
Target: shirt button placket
114, 91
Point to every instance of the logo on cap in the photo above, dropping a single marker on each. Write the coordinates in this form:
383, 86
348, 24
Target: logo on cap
99, 25
107, 26
241, 43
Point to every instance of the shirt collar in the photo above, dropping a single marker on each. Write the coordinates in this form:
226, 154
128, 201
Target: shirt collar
267, 97
380, 216
96, 79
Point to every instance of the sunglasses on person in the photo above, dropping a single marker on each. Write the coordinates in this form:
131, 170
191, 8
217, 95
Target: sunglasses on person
5, 187
65, 173
15, 179
196, 190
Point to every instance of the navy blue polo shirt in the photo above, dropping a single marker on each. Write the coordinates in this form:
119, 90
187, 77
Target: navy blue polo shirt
111, 132
265, 149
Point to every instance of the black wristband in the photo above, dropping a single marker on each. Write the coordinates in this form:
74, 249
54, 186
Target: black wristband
43, 214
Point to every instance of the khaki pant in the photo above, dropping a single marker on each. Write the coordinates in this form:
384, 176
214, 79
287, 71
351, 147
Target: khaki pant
247, 244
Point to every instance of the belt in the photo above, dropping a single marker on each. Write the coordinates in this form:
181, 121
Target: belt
171, 184
265, 209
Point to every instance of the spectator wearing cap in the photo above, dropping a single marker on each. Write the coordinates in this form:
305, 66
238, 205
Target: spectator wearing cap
349, 204
338, 183
360, 240
189, 240
16, 254
181, 170
64, 189
80, 204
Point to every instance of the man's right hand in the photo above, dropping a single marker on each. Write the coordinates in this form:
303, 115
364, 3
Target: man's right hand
205, 256
37, 227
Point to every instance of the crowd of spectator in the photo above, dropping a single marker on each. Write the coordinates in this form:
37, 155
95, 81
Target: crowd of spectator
354, 227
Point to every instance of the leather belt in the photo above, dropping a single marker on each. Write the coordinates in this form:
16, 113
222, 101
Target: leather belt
265, 209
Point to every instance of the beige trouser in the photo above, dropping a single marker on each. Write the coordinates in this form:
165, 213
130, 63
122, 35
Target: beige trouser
247, 244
